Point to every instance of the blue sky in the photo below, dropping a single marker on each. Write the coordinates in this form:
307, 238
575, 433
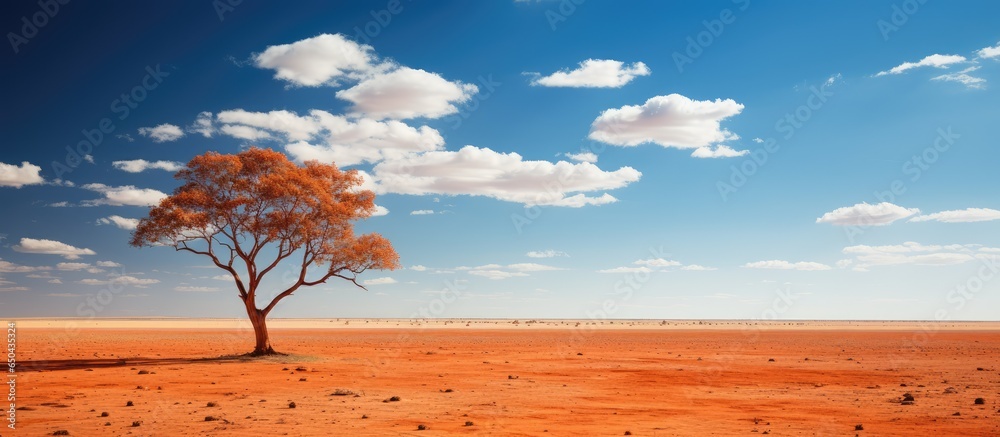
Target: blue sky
723, 159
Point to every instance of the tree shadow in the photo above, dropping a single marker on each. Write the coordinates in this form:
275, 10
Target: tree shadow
94, 363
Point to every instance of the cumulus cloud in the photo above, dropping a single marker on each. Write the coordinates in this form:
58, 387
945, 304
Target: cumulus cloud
963, 77
325, 137
121, 222
657, 262
19, 176
418, 268
697, 268
865, 214
785, 265
379, 281
915, 253
321, 60
989, 52
383, 89
130, 281
670, 121
590, 157
407, 93
140, 165
647, 266
593, 73
203, 125
936, 61
162, 133
496, 275
108, 264
422, 212
380, 211
960, 216
505, 176
51, 247
124, 195
9, 267
498, 272
71, 267
719, 151
546, 254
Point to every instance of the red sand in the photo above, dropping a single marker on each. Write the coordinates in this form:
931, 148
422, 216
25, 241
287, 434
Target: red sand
510, 382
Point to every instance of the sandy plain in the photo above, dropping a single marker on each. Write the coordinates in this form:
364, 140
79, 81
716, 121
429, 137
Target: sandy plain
498, 377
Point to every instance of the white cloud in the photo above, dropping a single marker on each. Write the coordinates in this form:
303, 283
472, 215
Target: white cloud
697, 268
593, 73
865, 214
325, 137
139, 165
960, 216
192, 289
670, 121
51, 247
989, 52
245, 132
108, 264
912, 253
19, 176
498, 272
642, 269
758, 140
496, 275
532, 267
657, 262
546, 254
844, 263
320, 60
125, 195
936, 61
407, 93
422, 212
719, 151
71, 267
379, 281
121, 222
590, 157
785, 265
131, 281
380, 211
505, 176
55, 281
162, 133
9, 267
203, 125
963, 77
418, 268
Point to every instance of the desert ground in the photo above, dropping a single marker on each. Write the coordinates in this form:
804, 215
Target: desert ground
501, 377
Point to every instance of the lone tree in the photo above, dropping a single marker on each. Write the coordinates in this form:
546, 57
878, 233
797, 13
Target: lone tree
251, 211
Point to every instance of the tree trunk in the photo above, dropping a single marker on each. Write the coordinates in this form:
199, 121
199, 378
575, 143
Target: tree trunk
257, 319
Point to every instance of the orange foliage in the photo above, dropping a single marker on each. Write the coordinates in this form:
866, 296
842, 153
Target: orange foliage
231, 207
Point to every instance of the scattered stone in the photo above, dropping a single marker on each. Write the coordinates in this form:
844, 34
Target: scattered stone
980, 401
421, 427
859, 427
129, 404
291, 405
104, 414
61, 432
211, 418
144, 372
211, 404
136, 424
469, 423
